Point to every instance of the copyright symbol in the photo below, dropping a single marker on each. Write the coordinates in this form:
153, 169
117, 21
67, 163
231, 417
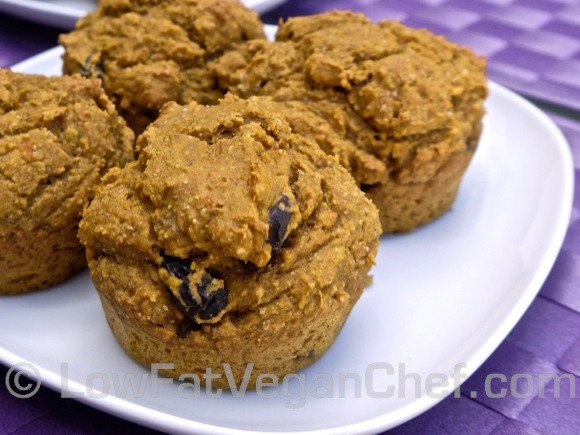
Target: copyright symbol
23, 380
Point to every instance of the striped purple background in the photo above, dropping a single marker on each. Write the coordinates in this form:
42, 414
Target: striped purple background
533, 47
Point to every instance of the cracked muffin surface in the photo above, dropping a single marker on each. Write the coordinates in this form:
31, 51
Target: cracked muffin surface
149, 53
230, 240
58, 137
402, 108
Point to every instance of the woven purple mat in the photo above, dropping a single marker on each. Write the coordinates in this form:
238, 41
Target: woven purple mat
533, 46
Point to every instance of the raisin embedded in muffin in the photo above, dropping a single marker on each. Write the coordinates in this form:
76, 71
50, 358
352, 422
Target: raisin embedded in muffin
231, 240
402, 108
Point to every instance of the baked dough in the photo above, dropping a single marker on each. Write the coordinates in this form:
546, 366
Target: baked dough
400, 107
149, 53
231, 240
58, 137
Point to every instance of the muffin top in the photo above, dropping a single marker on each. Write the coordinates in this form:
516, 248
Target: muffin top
407, 99
225, 210
151, 52
58, 136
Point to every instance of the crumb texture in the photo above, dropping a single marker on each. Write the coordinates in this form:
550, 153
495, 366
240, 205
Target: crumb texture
231, 239
149, 53
401, 108
58, 137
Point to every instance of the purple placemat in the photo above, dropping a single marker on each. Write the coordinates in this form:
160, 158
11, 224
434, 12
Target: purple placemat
533, 46
541, 356
20, 39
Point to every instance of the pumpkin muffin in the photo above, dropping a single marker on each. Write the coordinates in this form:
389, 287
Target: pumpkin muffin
400, 107
150, 52
58, 137
231, 240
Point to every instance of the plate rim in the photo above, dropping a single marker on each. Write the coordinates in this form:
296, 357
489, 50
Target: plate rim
150, 417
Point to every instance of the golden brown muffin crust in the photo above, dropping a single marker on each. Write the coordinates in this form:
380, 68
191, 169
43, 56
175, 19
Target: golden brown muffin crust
151, 52
58, 136
271, 238
409, 103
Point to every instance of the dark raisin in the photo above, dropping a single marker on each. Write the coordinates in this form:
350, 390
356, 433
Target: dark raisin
92, 69
183, 298
187, 301
211, 302
178, 267
214, 303
279, 218
194, 299
202, 286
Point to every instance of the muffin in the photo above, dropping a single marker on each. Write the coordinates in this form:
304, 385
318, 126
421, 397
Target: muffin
151, 52
231, 240
402, 108
58, 136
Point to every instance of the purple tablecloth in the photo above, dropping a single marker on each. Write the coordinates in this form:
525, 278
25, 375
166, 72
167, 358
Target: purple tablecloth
533, 47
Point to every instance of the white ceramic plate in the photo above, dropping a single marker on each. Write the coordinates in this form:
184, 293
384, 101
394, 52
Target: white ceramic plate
65, 13
443, 299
